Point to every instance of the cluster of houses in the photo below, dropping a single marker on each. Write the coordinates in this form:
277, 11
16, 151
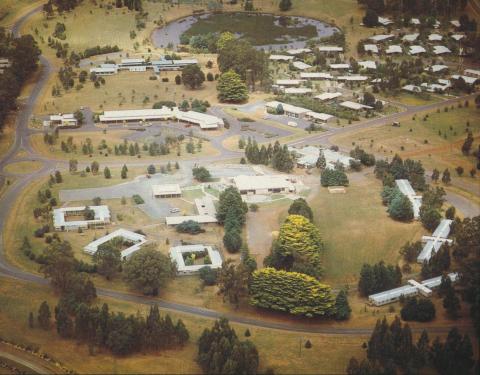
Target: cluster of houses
306, 157
141, 65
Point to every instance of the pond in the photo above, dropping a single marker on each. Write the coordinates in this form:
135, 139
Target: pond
265, 31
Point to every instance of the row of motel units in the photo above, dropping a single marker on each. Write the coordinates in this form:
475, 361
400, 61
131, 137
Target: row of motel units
135, 240
177, 257
205, 121
435, 241
297, 112
265, 184
141, 65
206, 213
61, 120
416, 200
61, 217
413, 288
307, 157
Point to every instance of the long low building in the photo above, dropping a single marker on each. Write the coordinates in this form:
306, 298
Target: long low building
141, 65
412, 289
406, 188
266, 184
203, 120
316, 75
188, 258
354, 106
73, 218
62, 120
307, 157
328, 96
297, 112
435, 241
133, 241
166, 191
206, 213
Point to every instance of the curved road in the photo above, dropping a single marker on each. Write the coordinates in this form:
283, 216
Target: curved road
22, 143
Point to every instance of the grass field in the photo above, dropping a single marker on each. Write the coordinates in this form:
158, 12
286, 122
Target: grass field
11, 9
23, 167
112, 138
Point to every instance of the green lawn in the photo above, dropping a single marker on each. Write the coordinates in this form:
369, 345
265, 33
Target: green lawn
356, 229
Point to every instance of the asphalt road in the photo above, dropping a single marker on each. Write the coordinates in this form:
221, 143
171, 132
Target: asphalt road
22, 143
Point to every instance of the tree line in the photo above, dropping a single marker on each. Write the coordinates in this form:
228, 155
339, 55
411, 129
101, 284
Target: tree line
279, 157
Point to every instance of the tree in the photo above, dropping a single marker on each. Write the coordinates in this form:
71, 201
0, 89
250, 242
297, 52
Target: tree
108, 258
446, 179
73, 165
291, 292
221, 352
231, 88
333, 177
400, 208
301, 207
189, 226
232, 282
58, 264
151, 169
450, 213
58, 177
285, 5
192, 76
31, 320
95, 167
410, 251
371, 18
377, 278
178, 80
459, 170
435, 175
44, 316
224, 38
430, 217
148, 270
208, 275
123, 173
342, 307
321, 161
451, 303
231, 204
455, 356
63, 322
106, 173
422, 310
201, 174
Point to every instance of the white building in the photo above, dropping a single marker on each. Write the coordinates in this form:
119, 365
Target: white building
326, 96
339, 66
415, 21
330, 49
435, 241
412, 88
284, 58
288, 82
384, 21
354, 106
179, 254
435, 37
297, 90
352, 77
166, 191
370, 48
472, 73
394, 48
368, 64
73, 218
455, 23
457, 37
437, 68
416, 200
299, 51
105, 70
318, 117
132, 240
440, 50
5, 63
203, 120
316, 76
410, 37
413, 288
288, 109
468, 80
415, 50
381, 37
266, 184
62, 120
300, 65
206, 213
307, 157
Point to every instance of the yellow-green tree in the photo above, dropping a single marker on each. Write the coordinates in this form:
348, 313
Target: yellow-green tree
224, 38
231, 88
291, 292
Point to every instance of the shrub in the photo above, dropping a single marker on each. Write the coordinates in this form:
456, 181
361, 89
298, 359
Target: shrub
137, 199
189, 226
208, 275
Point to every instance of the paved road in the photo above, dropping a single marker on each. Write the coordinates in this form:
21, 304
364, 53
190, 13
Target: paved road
22, 142
23, 362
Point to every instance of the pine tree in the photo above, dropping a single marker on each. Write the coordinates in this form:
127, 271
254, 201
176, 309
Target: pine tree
321, 161
435, 175
342, 307
107, 173
44, 316
446, 179
31, 320
451, 303
124, 172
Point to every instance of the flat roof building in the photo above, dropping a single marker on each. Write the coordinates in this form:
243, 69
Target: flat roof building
288, 82
352, 77
440, 50
381, 37
435, 37
266, 184
62, 120
415, 50
410, 37
185, 258
280, 58
289, 110
412, 88
316, 75
354, 106
297, 90
437, 68
318, 117
370, 48
300, 65
435, 241
330, 49
307, 157
394, 48
298, 51
326, 96
368, 64
206, 213
406, 189
339, 66
166, 191
73, 218
132, 240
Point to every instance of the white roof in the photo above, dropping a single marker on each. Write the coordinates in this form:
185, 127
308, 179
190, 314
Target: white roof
395, 48
287, 107
416, 49
63, 117
137, 239
354, 77
455, 23
355, 106
101, 214
412, 88
434, 242
330, 49
410, 37
318, 75
435, 37
280, 57
378, 38
339, 66
368, 64
288, 82
301, 65
473, 72
438, 67
415, 21
384, 21
298, 51
406, 189
243, 182
457, 37
204, 120
319, 116
467, 79
132, 61
166, 189
309, 155
176, 255
438, 50
200, 219
103, 70
205, 206
297, 90
433, 87
370, 47
328, 96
